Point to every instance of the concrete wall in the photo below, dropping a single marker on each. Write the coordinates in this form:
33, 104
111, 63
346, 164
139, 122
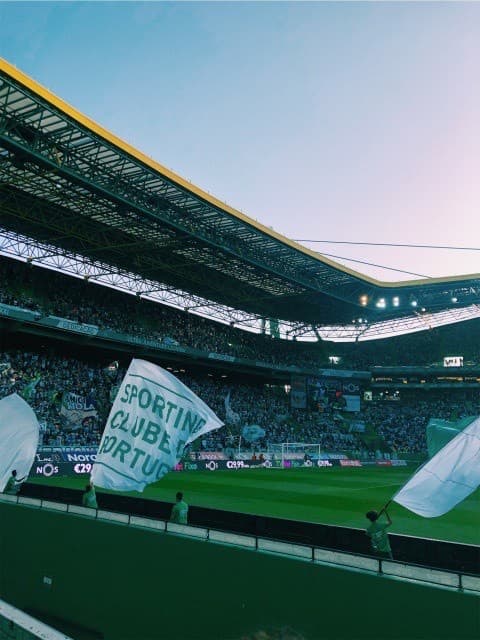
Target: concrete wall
127, 583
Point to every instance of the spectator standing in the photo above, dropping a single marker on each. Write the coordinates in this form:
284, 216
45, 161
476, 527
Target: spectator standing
179, 513
13, 484
377, 532
89, 498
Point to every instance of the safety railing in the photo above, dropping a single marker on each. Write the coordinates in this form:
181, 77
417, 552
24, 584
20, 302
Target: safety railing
321, 556
16, 625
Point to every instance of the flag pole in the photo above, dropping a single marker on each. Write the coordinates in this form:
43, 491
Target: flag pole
385, 507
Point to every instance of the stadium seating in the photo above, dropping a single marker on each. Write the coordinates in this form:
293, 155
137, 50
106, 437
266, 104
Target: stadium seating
47, 376
52, 293
45, 379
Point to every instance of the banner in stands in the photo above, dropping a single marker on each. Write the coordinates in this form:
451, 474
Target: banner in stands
77, 409
231, 416
350, 463
46, 469
221, 356
77, 327
352, 403
253, 432
327, 392
344, 373
214, 465
78, 462
18, 312
65, 454
357, 426
153, 418
298, 392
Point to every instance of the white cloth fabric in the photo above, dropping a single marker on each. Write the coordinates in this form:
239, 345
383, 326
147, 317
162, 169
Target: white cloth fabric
19, 434
154, 416
447, 478
231, 416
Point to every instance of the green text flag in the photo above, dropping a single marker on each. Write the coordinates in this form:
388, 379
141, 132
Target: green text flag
153, 418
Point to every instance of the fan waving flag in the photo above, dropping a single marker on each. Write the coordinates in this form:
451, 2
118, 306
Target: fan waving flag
447, 478
153, 418
19, 434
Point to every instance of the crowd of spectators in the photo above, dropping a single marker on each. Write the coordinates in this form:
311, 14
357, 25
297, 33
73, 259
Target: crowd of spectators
422, 349
44, 379
403, 426
51, 293
47, 377
51, 377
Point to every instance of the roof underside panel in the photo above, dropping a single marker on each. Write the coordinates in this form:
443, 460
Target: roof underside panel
65, 185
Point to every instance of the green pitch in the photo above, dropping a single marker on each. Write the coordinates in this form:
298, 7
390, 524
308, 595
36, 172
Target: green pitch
338, 496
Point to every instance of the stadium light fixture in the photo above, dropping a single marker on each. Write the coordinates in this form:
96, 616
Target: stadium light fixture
381, 303
454, 299
364, 300
396, 301
414, 303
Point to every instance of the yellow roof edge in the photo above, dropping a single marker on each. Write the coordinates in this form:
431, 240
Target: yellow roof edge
34, 86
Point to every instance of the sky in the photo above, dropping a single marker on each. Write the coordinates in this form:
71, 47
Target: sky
353, 122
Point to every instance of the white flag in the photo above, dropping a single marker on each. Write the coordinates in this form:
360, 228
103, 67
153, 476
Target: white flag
447, 479
19, 433
153, 418
232, 416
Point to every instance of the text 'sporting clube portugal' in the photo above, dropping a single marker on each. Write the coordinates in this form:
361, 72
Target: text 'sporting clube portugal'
153, 418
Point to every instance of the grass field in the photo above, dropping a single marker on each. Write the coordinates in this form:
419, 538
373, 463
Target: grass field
338, 496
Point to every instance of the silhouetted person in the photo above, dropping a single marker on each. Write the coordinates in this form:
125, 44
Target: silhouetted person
179, 510
89, 498
377, 532
13, 484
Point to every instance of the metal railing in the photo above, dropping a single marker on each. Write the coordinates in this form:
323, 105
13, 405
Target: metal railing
394, 569
18, 625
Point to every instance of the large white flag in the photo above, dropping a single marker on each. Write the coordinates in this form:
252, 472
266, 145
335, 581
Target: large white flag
19, 433
447, 478
153, 418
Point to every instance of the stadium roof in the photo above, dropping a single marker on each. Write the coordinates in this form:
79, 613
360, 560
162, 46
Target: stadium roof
71, 189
